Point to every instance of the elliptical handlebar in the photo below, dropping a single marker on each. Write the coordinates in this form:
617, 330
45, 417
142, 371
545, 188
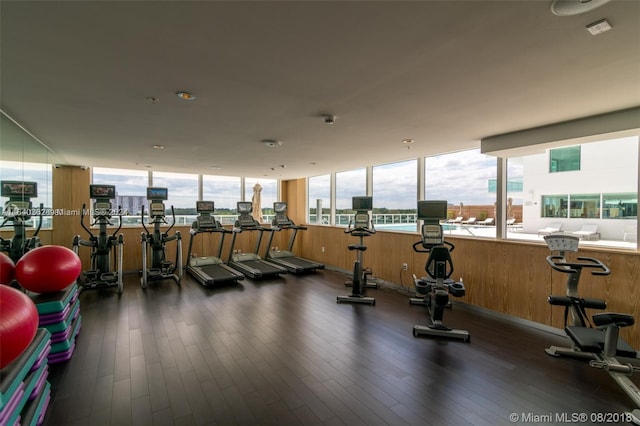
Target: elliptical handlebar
558, 263
142, 219
173, 215
84, 206
119, 222
40, 221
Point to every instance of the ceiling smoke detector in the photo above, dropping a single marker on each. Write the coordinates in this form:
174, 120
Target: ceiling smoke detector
271, 143
574, 7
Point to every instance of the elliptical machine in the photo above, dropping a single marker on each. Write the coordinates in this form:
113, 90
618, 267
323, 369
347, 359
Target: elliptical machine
437, 285
599, 343
362, 227
161, 268
17, 211
103, 272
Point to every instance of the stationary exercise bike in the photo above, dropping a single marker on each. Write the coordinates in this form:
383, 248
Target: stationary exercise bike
362, 227
157, 241
599, 343
103, 272
16, 212
436, 287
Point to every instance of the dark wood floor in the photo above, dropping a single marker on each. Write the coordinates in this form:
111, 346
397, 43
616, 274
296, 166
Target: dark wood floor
284, 352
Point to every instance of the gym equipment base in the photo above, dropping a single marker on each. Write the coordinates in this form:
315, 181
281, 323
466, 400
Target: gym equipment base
419, 330
356, 299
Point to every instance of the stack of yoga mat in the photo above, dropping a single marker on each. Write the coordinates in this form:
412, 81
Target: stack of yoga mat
24, 389
60, 315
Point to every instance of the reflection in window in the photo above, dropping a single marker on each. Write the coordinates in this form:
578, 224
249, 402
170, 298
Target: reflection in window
320, 199
348, 184
554, 205
564, 159
584, 205
395, 191
620, 206
39, 173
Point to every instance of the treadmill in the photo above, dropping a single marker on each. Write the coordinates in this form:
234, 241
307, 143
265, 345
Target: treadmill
286, 258
251, 264
209, 270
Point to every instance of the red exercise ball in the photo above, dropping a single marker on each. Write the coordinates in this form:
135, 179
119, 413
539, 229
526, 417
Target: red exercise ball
18, 323
48, 269
7, 269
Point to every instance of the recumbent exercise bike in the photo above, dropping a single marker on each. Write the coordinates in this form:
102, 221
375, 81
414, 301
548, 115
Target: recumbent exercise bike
436, 287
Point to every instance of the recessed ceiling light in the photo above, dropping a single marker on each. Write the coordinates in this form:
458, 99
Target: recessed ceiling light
407, 141
158, 146
574, 7
185, 96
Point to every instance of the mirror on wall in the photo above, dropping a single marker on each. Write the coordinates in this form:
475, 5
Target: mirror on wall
24, 159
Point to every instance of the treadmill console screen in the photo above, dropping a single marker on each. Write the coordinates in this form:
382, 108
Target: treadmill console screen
204, 206
245, 207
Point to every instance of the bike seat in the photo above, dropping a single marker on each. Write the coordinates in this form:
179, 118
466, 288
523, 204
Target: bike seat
608, 318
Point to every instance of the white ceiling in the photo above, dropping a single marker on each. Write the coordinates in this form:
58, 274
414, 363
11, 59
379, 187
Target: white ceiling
444, 73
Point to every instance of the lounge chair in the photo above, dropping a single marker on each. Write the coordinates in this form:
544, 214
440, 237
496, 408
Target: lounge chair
588, 232
488, 221
470, 221
551, 229
456, 220
511, 221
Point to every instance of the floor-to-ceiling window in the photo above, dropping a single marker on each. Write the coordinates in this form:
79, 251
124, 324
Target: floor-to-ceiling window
319, 192
395, 195
349, 184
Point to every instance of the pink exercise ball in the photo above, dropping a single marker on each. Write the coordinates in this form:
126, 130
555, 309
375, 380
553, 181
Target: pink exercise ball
18, 323
7, 269
48, 269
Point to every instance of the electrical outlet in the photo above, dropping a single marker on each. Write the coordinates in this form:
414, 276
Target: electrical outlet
405, 266
323, 249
